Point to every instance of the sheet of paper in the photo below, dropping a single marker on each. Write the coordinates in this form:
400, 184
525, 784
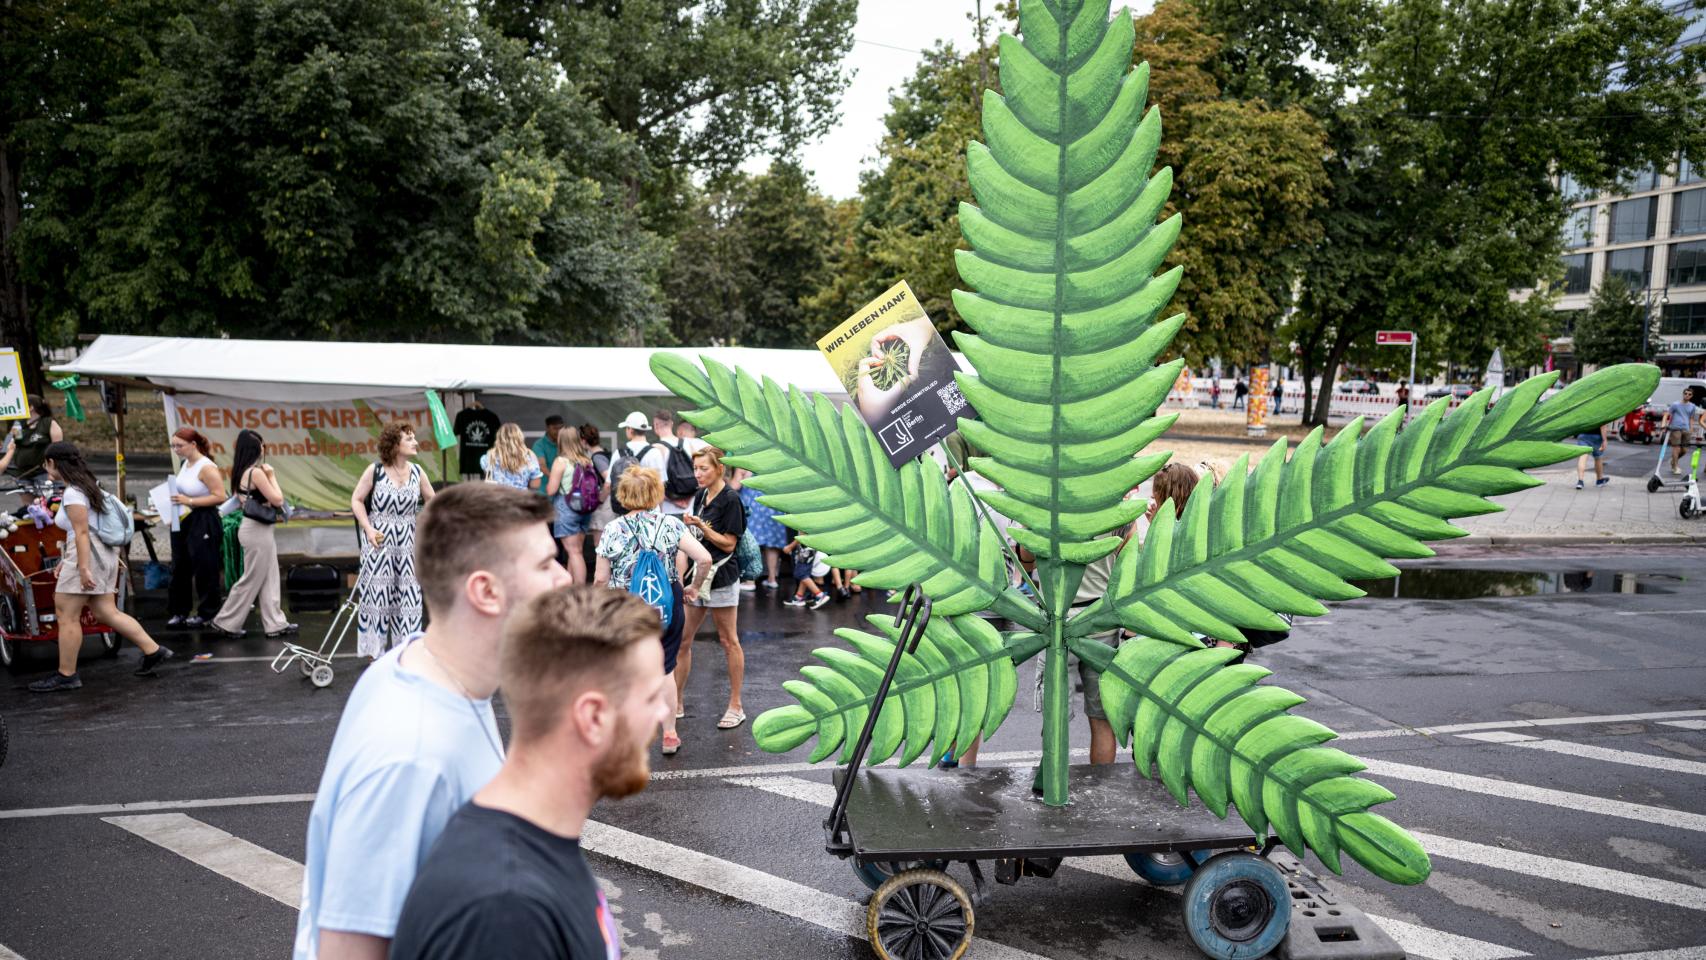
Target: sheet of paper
160, 498
174, 513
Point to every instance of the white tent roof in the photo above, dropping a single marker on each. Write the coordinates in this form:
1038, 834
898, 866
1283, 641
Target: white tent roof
295, 371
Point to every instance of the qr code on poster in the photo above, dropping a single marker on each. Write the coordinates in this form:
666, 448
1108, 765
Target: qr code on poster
951, 398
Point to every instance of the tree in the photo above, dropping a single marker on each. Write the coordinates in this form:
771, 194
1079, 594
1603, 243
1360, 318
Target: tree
300, 168
1617, 326
697, 86
1442, 197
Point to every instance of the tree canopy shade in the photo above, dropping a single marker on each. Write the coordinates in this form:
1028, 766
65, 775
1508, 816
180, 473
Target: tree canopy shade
300, 168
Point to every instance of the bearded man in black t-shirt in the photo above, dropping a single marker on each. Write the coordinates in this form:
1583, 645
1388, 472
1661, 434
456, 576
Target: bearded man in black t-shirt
582, 674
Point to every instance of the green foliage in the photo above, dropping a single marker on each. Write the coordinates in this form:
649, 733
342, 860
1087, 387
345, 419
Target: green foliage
1064, 246
958, 685
1207, 726
1617, 327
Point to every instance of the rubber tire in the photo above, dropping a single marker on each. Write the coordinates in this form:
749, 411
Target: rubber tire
1169, 872
896, 883
1654, 483
8, 624
1253, 876
874, 875
321, 677
306, 667
111, 643
1687, 509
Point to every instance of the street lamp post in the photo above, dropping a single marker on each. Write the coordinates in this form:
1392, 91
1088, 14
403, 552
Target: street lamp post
1647, 320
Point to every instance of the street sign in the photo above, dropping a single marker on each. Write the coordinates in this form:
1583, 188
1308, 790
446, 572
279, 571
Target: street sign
1402, 338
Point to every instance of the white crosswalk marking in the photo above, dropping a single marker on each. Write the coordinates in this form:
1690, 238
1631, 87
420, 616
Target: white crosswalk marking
1686, 724
1581, 802
1414, 938
1589, 751
7, 954
1660, 716
257, 868
783, 896
1667, 892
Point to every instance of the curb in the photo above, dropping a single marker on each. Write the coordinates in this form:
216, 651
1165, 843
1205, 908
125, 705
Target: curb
1561, 539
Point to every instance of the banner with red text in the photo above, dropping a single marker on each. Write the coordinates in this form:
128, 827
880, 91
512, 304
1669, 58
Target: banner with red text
318, 450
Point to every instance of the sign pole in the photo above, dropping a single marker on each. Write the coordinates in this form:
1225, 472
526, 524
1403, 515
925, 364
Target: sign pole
1412, 363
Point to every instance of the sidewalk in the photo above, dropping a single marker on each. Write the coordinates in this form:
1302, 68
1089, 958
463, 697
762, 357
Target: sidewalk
1556, 512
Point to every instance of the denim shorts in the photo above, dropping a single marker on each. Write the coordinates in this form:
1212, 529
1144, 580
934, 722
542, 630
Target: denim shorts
568, 523
1594, 442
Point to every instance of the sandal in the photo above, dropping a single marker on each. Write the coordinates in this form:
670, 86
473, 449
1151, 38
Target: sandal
671, 743
731, 720
680, 712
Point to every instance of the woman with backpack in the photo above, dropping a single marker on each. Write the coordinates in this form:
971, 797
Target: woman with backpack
386, 502
88, 571
574, 488
198, 545
263, 506
638, 553
603, 514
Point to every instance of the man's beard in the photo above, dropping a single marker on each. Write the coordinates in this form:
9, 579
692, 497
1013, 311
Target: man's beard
626, 769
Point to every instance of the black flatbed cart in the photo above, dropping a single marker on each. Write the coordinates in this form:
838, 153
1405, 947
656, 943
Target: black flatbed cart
902, 828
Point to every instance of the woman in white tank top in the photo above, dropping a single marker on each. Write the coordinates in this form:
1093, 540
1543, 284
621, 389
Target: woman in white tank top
197, 557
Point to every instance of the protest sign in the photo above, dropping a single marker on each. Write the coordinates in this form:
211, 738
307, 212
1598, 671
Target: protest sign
898, 372
13, 404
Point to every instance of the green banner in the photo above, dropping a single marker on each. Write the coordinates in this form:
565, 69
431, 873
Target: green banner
441, 430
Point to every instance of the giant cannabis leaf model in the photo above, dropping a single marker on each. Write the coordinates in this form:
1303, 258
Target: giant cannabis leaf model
1065, 246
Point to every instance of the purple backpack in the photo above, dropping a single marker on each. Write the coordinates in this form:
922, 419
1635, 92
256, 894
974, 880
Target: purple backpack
584, 489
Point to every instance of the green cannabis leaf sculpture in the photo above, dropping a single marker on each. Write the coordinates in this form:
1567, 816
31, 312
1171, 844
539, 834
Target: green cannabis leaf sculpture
1065, 248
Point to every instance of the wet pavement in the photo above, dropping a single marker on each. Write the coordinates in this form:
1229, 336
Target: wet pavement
1540, 714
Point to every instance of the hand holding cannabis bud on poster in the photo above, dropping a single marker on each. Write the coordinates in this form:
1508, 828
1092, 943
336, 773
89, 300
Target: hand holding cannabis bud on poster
887, 374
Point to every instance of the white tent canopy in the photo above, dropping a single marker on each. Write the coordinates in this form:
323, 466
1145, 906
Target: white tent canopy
297, 371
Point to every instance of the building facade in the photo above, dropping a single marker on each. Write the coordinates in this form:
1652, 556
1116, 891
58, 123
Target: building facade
1651, 232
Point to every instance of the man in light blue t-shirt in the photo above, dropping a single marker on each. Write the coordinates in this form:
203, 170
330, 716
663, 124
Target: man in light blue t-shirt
1682, 419
418, 738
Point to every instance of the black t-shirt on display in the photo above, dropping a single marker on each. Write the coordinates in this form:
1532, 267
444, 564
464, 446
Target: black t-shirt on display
476, 431
495, 885
724, 514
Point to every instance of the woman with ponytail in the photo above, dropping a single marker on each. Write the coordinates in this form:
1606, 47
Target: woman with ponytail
197, 557
253, 479
88, 572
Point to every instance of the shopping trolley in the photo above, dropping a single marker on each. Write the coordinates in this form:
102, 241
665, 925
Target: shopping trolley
316, 665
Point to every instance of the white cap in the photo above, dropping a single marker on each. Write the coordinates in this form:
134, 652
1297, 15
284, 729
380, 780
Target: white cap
636, 421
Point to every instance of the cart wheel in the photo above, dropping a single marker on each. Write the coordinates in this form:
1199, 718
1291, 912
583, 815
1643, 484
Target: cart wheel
1236, 906
1654, 483
876, 874
1166, 869
8, 626
322, 676
920, 915
306, 667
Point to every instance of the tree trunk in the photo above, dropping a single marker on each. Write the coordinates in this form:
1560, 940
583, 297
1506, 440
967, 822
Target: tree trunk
16, 328
1329, 373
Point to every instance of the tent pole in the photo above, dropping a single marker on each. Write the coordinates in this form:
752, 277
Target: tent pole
118, 439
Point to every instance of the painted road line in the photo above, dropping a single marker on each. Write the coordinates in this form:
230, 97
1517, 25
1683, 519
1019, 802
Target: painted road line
1580, 802
1668, 892
1652, 613
1686, 724
1591, 752
233, 858
92, 809
1518, 724
1681, 953
834, 913
7, 954
1415, 939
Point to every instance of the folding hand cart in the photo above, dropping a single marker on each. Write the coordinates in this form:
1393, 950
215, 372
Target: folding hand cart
316, 664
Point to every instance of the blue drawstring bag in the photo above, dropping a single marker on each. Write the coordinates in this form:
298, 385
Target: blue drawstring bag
650, 580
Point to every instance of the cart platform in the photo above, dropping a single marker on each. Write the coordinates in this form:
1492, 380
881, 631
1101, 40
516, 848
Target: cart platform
991, 813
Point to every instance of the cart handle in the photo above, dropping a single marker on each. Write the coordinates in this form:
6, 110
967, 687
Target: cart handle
914, 614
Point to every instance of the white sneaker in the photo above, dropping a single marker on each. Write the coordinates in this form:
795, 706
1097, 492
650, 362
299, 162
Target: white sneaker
794, 602
748, 586
821, 601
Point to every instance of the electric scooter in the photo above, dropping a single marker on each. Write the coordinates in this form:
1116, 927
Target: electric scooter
1690, 508
1657, 482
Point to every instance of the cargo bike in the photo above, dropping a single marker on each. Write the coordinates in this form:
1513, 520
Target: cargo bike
902, 829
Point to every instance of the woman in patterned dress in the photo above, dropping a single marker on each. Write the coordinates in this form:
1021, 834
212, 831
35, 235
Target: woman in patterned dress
395, 488
766, 529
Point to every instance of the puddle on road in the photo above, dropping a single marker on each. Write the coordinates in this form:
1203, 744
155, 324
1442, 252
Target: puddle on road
1469, 583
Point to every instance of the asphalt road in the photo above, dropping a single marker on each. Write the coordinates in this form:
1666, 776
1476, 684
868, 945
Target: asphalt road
1587, 839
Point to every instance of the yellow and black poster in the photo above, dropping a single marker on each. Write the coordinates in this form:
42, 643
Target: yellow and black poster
898, 372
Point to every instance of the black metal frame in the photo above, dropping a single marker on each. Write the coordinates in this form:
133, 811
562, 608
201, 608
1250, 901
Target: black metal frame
914, 615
